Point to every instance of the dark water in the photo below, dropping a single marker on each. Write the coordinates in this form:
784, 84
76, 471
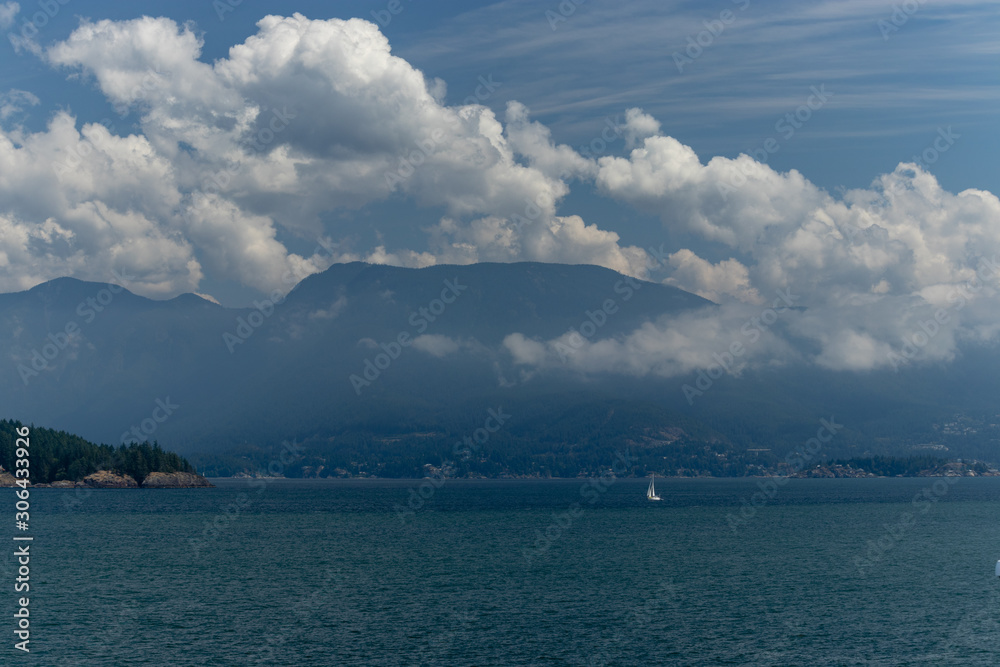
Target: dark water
828, 572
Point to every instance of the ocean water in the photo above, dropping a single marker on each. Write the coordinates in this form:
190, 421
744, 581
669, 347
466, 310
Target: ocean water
519, 572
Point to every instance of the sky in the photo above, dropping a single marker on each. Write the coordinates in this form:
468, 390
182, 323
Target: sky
841, 150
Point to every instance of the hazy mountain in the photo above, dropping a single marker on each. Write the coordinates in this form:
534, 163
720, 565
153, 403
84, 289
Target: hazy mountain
96, 358
377, 361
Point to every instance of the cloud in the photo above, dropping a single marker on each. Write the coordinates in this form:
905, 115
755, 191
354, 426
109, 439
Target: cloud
668, 347
329, 313
303, 119
534, 141
308, 122
639, 127
8, 12
14, 101
902, 235
900, 272
728, 278
558, 239
436, 345
525, 350
103, 200
208, 297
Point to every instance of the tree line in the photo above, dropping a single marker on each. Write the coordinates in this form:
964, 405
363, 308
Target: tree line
57, 455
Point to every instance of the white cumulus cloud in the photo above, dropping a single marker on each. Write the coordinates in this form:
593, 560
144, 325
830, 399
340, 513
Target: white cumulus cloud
303, 119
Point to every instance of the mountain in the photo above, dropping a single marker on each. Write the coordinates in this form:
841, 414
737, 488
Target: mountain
103, 361
380, 370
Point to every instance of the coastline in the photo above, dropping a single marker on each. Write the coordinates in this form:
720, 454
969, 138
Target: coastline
103, 479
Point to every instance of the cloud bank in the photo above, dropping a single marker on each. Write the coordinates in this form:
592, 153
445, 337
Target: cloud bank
309, 118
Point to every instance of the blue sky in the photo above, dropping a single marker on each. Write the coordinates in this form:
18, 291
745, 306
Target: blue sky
892, 89
824, 100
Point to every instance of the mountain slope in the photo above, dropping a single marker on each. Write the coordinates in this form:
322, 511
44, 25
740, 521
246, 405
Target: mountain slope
325, 366
97, 359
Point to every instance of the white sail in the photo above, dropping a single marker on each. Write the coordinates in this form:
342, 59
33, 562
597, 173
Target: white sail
651, 491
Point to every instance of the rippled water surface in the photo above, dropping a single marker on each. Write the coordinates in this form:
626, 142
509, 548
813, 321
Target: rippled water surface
298, 572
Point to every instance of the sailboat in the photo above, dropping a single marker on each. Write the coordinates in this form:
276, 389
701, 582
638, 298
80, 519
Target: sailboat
651, 491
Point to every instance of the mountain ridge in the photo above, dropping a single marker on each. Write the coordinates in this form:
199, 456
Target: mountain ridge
257, 377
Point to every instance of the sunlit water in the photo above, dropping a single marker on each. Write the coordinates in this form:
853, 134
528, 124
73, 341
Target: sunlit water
827, 572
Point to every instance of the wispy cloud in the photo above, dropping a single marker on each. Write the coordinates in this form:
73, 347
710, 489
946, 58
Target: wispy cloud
8, 12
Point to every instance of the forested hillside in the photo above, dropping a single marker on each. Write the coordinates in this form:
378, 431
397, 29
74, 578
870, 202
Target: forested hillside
57, 455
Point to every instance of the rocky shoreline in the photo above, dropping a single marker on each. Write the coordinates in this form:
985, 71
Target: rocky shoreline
175, 480
105, 479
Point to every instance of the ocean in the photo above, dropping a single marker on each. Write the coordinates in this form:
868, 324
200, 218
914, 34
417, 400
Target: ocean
515, 572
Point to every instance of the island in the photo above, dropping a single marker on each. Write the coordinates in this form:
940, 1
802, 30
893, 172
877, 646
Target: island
62, 460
